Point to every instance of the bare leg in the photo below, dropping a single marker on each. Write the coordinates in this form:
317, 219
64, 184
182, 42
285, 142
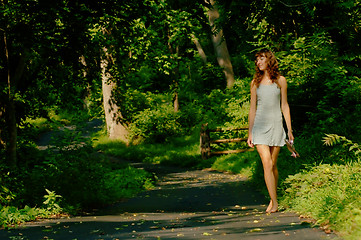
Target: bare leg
274, 154
269, 159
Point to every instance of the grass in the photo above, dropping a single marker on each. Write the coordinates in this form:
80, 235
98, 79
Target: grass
324, 184
331, 194
88, 178
181, 151
242, 163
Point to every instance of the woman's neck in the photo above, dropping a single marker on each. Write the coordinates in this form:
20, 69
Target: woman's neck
266, 76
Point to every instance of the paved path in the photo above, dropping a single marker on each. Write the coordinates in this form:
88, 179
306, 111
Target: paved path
184, 205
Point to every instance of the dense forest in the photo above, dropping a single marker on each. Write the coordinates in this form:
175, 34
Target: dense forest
154, 71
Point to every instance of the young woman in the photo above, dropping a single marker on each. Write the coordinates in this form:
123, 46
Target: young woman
266, 132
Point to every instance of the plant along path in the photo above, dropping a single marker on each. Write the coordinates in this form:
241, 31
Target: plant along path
184, 205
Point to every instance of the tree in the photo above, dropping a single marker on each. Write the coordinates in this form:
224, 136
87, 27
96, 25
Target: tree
113, 116
220, 45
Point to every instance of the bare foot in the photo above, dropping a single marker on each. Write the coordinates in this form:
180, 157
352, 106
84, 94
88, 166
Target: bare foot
272, 208
269, 206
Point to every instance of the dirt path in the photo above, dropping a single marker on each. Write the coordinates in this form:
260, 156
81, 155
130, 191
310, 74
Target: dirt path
184, 205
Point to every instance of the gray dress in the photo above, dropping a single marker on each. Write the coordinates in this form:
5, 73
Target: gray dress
268, 123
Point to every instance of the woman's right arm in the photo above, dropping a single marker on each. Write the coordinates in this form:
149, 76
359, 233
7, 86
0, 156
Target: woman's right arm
252, 113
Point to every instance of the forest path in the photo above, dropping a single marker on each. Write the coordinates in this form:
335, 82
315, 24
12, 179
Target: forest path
185, 204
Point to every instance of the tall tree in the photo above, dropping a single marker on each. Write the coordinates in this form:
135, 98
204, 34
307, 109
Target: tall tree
13, 62
113, 117
220, 45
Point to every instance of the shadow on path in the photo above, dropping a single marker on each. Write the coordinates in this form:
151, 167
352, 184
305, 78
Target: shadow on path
184, 205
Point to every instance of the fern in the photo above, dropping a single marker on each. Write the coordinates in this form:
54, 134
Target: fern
333, 139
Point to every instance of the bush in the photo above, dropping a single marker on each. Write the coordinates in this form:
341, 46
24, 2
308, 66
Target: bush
74, 170
10, 215
156, 124
330, 194
86, 180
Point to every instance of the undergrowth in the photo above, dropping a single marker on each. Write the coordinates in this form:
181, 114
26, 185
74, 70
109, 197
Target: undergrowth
331, 194
242, 163
329, 191
79, 177
12, 216
180, 151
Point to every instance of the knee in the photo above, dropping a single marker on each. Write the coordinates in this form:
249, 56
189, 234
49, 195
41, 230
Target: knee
268, 166
274, 167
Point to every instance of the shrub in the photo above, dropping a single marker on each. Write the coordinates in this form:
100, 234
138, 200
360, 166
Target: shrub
330, 194
156, 124
10, 215
74, 170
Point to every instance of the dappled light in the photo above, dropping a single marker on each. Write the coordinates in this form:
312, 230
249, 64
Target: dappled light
183, 205
132, 119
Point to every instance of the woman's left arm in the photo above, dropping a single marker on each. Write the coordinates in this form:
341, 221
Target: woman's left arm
285, 107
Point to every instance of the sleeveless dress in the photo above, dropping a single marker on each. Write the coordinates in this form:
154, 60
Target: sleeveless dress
268, 123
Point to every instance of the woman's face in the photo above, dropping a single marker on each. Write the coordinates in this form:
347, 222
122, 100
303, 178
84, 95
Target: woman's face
262, 62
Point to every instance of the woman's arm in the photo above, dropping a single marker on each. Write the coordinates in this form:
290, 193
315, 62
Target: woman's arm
252, 113
285, 107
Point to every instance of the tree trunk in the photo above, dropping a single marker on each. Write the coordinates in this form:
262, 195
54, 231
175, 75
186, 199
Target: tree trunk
11, 145
176, 85
176, 99
11, 148
220, 46
200, 50
87, 92
175, 76
113, 117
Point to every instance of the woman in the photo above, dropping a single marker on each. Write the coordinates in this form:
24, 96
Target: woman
268, 102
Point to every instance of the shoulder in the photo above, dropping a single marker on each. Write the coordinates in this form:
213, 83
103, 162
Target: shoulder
253, 84
282, 81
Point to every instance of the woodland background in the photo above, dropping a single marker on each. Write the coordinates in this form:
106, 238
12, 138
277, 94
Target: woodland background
155, 70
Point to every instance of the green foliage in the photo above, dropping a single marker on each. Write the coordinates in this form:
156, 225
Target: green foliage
242, 163
152, 56
10, 215
330, 194
125, 183
156, 125
333, 139
227, 108
181, 151
328, 189
312, 153
51, 202
87, 177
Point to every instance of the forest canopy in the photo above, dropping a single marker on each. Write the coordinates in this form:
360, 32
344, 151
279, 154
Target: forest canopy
171, 55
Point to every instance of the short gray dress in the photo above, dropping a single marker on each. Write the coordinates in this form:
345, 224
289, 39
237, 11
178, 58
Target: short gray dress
268, 124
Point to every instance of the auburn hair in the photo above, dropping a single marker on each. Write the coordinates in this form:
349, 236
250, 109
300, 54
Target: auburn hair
272, 67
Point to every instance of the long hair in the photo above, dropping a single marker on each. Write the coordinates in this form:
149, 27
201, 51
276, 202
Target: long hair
272, 67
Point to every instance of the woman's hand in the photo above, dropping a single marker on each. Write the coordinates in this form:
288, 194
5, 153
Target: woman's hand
249, 141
